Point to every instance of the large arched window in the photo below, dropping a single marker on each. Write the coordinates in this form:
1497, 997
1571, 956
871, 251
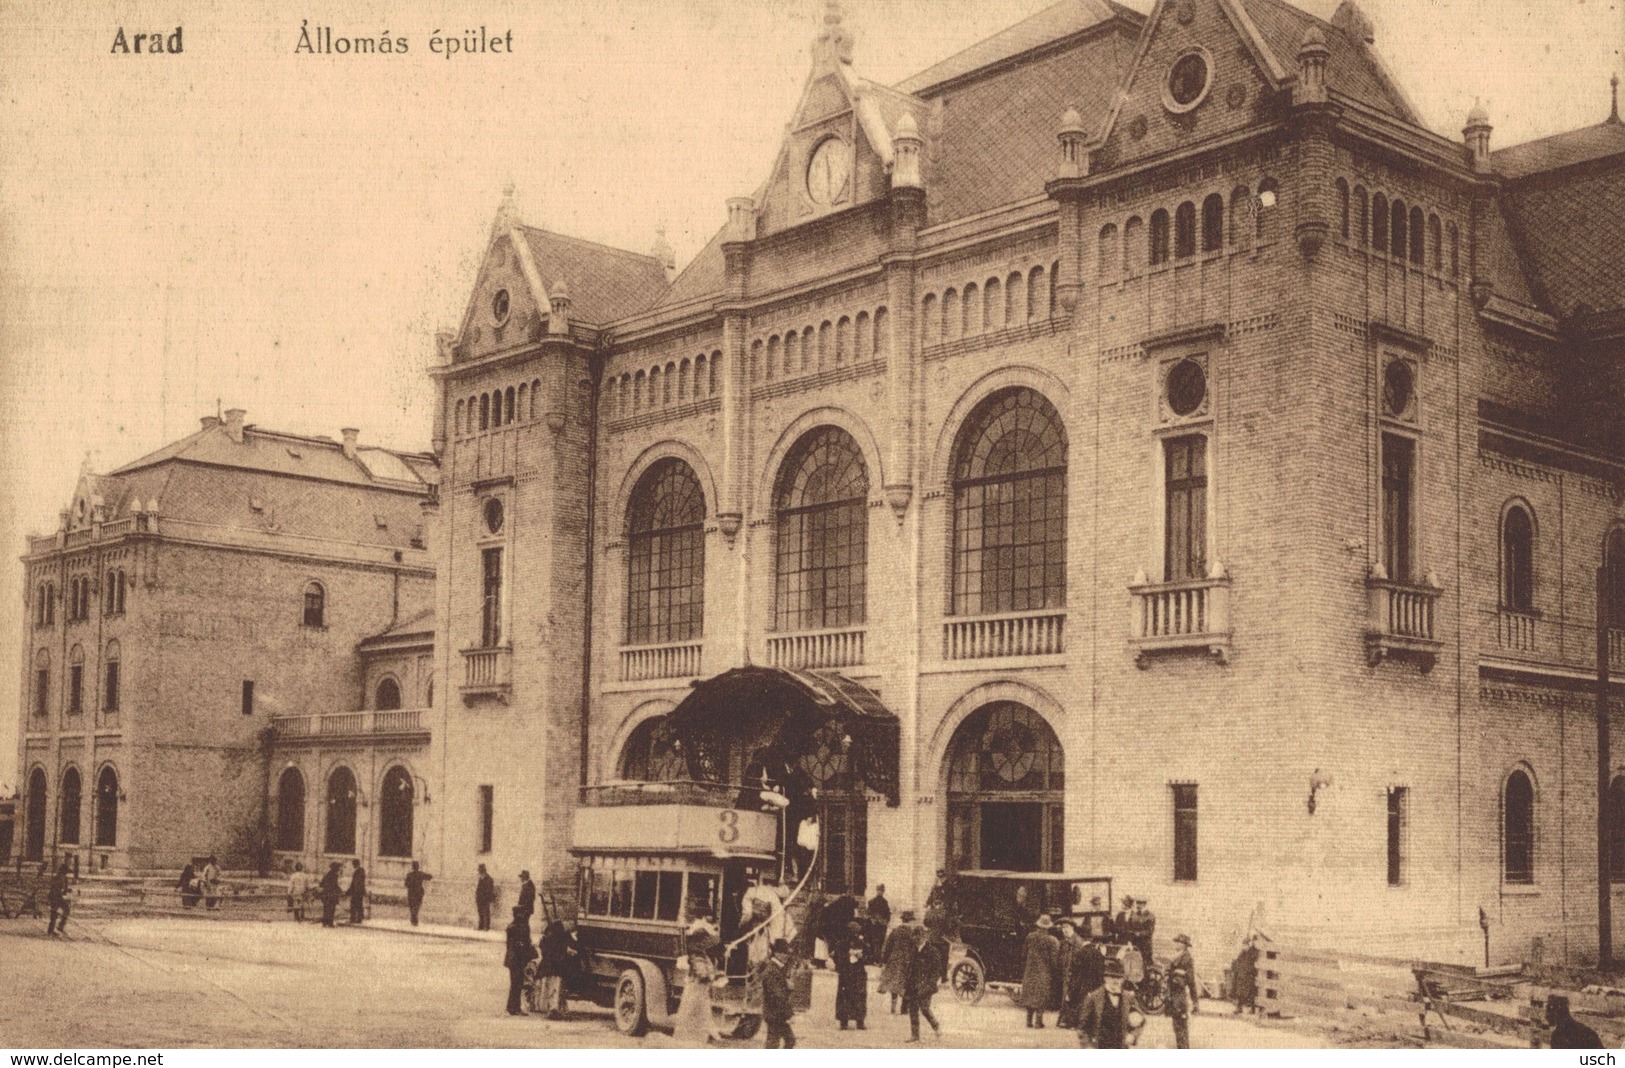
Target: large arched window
1517, 560
666, 556
1518, 828
290, 811
107, 802
1614, 559
823, 533
1006, 779
1159, 236
72, 803
387, 697
341, 799
1213, 223
395, 799
34, 817
1009, 517
651, 755
1616, 829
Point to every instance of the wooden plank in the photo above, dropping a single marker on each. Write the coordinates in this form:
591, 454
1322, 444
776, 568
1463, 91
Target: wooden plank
1320, 956
1483, 1018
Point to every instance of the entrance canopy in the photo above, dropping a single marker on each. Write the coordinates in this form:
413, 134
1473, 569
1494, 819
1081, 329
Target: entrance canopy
783, 711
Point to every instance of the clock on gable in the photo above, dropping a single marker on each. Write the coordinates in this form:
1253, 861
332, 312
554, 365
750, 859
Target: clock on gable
829, 172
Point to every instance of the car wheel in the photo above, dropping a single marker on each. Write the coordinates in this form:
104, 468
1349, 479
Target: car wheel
967, 981
631, 1007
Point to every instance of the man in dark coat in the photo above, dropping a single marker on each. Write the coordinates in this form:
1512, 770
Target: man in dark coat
851, 978
877, 918
527, 896
924, 973
557, 957
1088, 975
896, 959
879, 907
776, 1007
1142, 930
415, 880
1244, 977
1111, 1016
485, 894
1066, 932
1567, 1032
358, 892
519, 953
57, 897
328, 890
1183, 993
834, 923
1041, 952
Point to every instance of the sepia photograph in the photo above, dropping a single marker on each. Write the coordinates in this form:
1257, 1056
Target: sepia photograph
839, 524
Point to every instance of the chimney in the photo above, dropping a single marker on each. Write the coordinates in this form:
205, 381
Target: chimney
234, 423
350, 434
665, 253
210, 422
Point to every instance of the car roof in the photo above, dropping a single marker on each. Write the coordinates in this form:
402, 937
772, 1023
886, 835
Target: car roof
1048, 876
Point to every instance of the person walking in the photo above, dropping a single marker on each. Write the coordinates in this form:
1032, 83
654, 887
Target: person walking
519, 953
1038, 975
211, 884
187, 885
416, 882
328, 890
485, 895
924, 973
298, 892
358, 893
59, 898
851, 978
527, 896
1066, 932
1183, 993
896, 957
777, 1010
1111, 1016
1244, 976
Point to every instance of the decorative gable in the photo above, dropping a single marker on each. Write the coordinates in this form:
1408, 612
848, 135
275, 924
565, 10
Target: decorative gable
506, 308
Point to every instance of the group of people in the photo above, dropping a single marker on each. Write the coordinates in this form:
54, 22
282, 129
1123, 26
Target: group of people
204, 885
556, 954
334, 886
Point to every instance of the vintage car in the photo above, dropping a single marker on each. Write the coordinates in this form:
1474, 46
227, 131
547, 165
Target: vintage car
652, 857
989, 915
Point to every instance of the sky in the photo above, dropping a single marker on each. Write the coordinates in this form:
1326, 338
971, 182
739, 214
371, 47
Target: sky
242, 225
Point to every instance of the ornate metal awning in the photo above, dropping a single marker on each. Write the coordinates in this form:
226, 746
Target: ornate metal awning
786, 708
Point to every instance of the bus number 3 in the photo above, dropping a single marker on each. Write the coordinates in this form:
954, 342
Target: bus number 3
728, 833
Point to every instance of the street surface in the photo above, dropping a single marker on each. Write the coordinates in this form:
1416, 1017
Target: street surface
213, 982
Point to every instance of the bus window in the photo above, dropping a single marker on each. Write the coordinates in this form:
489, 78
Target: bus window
598, 902
620, 895
702, 896
671, 895
643, 898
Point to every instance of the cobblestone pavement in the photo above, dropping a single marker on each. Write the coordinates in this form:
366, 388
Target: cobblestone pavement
169, 983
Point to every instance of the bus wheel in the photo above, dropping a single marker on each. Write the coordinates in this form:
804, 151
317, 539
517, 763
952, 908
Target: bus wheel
631, 1009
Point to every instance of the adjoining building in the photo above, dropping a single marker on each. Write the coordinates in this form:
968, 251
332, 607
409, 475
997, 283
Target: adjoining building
203, 627
1203, 465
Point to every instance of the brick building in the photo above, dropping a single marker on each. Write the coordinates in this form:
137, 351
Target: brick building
233, 581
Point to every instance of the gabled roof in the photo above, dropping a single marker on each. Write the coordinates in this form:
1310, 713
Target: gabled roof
704, 275
1054, 23
1353, 68
416, 625
275, 453
1560, 150
1572, 231
604, 283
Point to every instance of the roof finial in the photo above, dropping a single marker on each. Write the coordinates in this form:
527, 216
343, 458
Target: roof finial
508, 210
834, 43
1613, 113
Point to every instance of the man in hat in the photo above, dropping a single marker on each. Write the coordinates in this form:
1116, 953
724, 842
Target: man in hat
1183, 993
519, 953
1120, 923
416, 882
485, 893
896, 957
1065, 966
1567, 1032
851, 979
527, 895
1111, 1017
776, 1007
929, 961
1142, 930
1042, 952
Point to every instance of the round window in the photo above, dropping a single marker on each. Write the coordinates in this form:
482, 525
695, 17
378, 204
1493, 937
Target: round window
1187, 387
493, 515
1188, 81
1398, 387
499, 306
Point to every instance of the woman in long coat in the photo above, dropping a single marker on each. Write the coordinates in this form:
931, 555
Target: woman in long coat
553, 962
851, 978
1038, 985
896, 958
692, 1026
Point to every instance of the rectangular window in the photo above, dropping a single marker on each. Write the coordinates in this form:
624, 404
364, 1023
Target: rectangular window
620, 895
42, 691
76, 689
1185, 833
671, 895
1398, 496
1185, 515
248, 697
598, 893
1398, 801
488, 807
645, 895
491, 603
110, 691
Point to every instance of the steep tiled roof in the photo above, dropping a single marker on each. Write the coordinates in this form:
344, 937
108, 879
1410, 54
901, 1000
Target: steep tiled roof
1562, 150
290, 454
1572, 230
1351, 69
412, 626
605, 283
1051, 24
703, 276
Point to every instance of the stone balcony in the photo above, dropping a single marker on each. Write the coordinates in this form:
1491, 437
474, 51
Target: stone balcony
487, 674
1544, 642
1402, 620
398, 724
1004, 634
1170, 617
833, 648
668, 660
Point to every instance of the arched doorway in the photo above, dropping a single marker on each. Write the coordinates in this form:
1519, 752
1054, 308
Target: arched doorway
34, 835
341, 798
290, 811
843, 814
1006, 780
72, 801
395, 813
107, 807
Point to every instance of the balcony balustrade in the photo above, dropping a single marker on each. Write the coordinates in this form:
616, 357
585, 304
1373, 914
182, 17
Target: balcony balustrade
1402, 620
673, 660
1515, 631
1172, 616
1003, 635
487, 672
369, 723
816, 649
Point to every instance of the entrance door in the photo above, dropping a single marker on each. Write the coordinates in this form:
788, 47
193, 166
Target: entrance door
34, 833
1012, 836
1006, 780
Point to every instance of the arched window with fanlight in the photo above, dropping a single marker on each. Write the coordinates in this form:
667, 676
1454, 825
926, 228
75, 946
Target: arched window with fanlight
843, 812
395, 801
666, 556
339, 833
1006, 791
651, 755
1517, 559
1518, 828
107, 805
72, 804
1009, 514
290, 811
822, 526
